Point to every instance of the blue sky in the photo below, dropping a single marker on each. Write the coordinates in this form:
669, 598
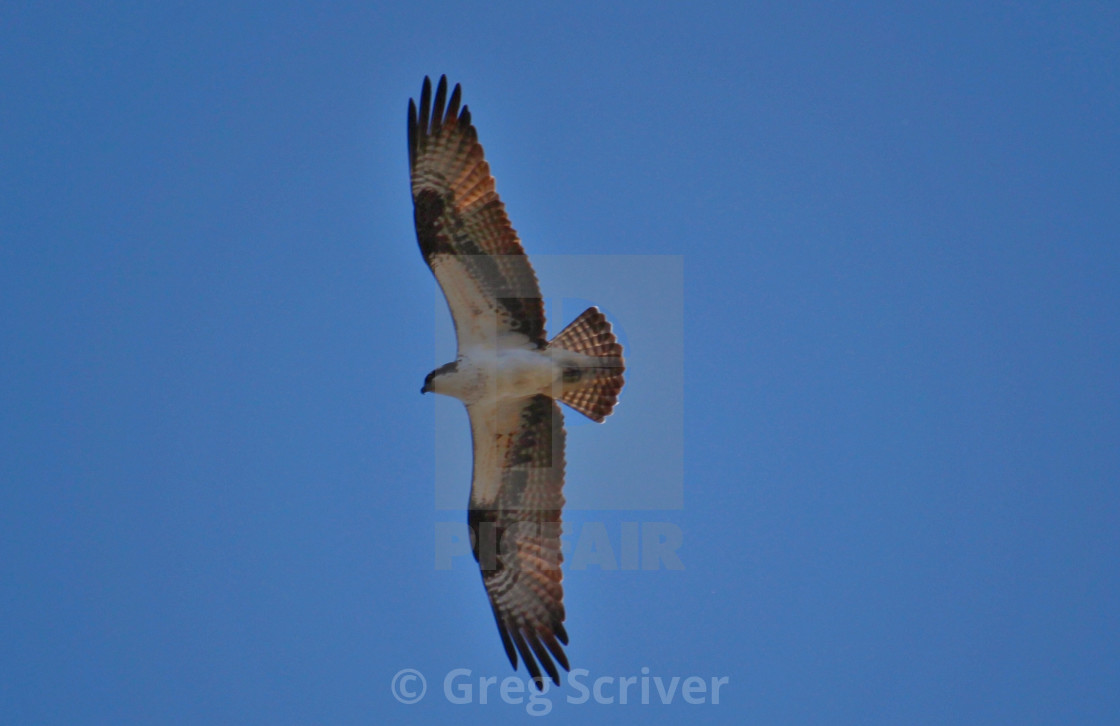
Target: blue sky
883, 390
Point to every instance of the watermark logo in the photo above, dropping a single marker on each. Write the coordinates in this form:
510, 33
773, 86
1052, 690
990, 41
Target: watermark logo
643, 298
409, 686
461, 687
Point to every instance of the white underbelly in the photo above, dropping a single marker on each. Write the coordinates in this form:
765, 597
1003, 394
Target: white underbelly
513, 373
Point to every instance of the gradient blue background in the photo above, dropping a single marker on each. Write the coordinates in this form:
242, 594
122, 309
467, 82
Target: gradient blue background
900, 233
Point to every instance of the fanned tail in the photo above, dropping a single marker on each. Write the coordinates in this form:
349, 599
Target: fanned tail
591, 384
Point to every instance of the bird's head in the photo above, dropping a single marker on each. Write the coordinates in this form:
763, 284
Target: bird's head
430, 379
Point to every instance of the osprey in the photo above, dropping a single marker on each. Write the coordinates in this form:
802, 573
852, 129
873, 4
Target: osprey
507, 374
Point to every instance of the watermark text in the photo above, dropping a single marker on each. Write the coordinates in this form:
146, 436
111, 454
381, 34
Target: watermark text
461, 687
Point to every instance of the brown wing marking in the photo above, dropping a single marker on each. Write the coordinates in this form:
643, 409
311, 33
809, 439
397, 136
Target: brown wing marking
461, 224
516, 535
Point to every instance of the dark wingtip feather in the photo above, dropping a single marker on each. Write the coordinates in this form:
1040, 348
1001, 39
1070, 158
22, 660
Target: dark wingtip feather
437, 105
411, 133
511, 653
542, 657
527, 657
453, 104
549, 640
425, 106
538, 644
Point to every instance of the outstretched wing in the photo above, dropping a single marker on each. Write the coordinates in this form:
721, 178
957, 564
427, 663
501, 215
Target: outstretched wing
516, 498
462, 227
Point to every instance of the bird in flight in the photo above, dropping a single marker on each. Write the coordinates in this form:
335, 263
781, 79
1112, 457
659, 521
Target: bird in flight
507, 374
